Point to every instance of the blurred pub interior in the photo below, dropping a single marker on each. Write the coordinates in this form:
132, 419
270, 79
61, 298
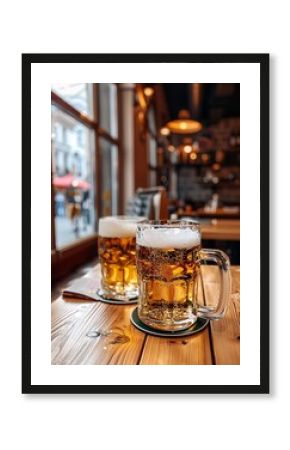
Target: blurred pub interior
159, 150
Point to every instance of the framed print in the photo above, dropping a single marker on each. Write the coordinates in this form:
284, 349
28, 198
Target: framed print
145, 223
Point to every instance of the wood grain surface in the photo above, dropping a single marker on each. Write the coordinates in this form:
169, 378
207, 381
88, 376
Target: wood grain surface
90, 332
225, 333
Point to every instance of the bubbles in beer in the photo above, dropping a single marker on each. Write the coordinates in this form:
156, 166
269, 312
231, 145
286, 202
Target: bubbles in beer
167, 265
117, 252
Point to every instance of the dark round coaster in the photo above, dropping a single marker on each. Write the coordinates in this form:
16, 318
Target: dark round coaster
199, 325
114, 300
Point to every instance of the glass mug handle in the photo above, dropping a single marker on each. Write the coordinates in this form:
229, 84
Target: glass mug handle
223, 262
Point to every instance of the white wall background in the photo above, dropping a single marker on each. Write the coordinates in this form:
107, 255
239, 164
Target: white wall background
74, 422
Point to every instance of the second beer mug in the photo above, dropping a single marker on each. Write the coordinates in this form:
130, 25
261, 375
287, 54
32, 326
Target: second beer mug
117, 253
168, 262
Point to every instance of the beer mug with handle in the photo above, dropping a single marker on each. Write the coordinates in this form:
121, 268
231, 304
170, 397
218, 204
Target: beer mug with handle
169, 256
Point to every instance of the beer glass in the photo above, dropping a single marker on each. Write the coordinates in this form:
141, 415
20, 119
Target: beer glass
117, 253
169, 255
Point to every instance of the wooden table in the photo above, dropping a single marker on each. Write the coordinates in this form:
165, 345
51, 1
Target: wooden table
117, 341
221, 230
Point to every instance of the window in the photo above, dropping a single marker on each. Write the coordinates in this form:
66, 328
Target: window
108, 108
78, 95
73, 179
80, 140
85, 173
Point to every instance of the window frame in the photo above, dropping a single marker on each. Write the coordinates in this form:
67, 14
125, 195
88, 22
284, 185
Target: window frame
69, 257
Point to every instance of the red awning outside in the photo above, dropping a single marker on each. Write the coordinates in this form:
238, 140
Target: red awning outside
68, 181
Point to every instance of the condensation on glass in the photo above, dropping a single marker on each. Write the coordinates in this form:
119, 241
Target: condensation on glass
168, 255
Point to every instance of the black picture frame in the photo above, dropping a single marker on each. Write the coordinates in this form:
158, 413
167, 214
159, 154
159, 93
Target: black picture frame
263, 61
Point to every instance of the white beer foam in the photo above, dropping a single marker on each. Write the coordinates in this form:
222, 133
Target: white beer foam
112, 227
179, 238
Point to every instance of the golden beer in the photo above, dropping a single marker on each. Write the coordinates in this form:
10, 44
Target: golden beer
168, 265
117, 253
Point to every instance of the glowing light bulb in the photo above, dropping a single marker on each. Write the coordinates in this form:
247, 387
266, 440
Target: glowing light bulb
187, 148
164, 131
148, 91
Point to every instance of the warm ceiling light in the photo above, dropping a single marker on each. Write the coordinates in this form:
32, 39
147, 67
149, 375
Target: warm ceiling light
164, 131
184, 125
193, 156
216, 166
148, 91
187, 148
